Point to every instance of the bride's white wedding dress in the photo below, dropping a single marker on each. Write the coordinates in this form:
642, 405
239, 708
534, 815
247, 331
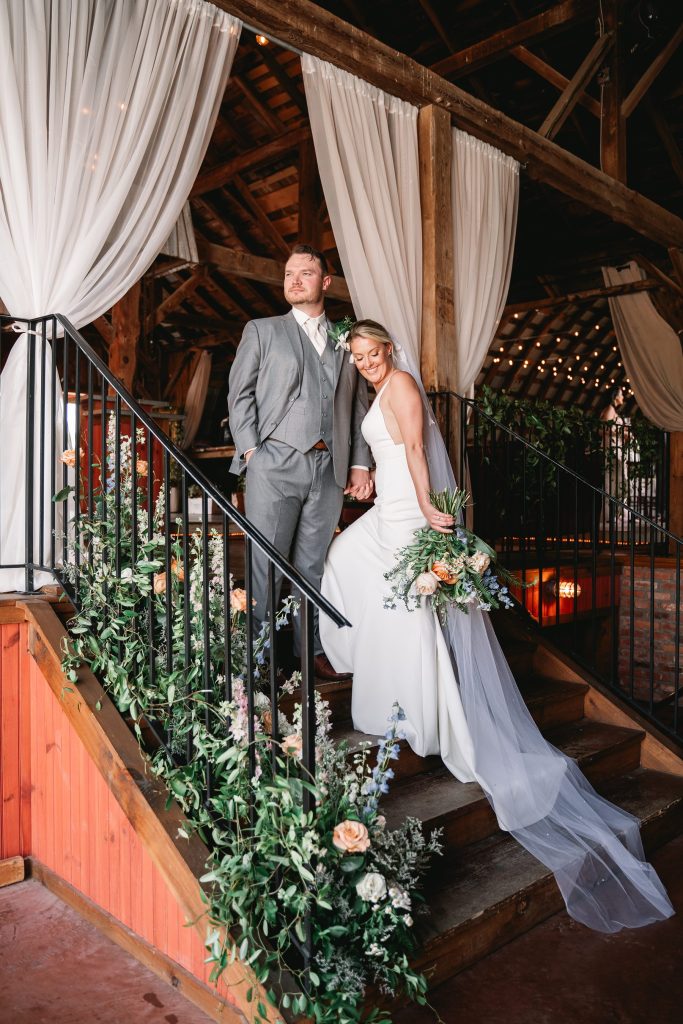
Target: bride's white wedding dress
394, 655
461, 702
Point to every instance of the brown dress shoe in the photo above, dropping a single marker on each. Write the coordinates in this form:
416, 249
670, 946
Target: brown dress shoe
323, 670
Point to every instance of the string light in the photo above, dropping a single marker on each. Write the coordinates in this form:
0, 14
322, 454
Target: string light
576, 334
516, 316
597, 327
520, 347
262, 40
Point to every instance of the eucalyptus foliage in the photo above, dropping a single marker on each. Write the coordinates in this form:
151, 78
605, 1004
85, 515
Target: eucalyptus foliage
333, 880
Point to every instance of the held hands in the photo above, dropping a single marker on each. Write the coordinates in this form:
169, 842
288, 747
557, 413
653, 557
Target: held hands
359, 484
439, 521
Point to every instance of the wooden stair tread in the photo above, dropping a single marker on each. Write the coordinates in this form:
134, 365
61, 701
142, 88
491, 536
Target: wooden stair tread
536, 688
437, 796
586, 739
498, 869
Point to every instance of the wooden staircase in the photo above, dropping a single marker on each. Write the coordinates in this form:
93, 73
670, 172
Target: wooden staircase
486, 890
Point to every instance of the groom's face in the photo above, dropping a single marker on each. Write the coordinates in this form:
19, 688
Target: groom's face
305, 283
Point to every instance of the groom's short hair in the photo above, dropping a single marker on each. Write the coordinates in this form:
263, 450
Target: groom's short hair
307, 250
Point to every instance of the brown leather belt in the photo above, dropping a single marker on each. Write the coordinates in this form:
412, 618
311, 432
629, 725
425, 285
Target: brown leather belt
320, 446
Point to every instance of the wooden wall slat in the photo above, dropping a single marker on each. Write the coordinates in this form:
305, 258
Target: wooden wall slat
57, 808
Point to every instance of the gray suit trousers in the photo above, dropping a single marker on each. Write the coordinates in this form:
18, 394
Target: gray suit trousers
294, 500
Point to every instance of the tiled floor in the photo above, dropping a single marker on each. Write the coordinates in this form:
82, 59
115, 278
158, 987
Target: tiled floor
57, 968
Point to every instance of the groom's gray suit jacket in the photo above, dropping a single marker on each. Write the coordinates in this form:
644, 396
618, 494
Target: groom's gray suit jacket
266, 382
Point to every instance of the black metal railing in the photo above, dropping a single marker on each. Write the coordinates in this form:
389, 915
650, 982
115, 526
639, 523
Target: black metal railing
108, 496
603, 576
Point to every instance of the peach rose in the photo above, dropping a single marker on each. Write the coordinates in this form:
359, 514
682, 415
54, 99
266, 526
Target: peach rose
238, 600
293, 745
159, 582
444, 571
68, 457
141, 467
351, 837
178, 569
426, 583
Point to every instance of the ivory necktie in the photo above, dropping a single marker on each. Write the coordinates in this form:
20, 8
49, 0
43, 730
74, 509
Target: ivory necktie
316, 332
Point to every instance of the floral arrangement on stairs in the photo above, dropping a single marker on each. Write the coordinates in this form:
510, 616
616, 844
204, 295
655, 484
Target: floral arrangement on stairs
278, 877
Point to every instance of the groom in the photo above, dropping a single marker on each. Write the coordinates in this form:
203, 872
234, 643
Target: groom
296, 405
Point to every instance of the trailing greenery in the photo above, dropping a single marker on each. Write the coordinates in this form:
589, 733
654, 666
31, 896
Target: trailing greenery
279, 876
564, 434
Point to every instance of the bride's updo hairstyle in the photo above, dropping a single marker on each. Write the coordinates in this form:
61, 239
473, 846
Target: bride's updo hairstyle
370, 329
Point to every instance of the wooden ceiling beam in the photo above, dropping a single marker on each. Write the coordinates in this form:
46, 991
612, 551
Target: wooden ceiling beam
613, 123
553, 76
216, 177
262, 219
258, 268
263, 112
574, 297
645, 81
305, 26
175, 299
286, 83
566, 102
498, 45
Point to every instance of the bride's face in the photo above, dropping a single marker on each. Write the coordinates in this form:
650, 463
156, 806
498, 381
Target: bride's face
372, 359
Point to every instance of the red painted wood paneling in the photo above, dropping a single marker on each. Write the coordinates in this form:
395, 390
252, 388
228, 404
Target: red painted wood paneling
57, 808
15, 775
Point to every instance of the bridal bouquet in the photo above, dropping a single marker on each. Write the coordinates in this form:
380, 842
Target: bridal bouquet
457, 568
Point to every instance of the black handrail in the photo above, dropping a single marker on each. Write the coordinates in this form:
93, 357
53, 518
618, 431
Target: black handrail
124, 524
602, 577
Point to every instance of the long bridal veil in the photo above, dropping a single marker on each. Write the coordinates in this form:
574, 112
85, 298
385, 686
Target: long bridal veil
539, 794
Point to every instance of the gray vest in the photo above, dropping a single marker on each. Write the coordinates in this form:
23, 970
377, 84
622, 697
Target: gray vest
310, 416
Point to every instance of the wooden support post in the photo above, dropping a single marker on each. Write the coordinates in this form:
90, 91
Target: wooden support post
613, 125
438, 359
309, 195
125, 320
676, 483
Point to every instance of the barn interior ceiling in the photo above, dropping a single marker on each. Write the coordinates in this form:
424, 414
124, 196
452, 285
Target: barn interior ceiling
258, 191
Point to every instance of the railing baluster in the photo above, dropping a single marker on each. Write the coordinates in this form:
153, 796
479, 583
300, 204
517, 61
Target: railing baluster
249, 589
307, 696
30, 446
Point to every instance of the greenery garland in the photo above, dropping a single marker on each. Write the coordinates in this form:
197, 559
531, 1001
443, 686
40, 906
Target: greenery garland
277, 876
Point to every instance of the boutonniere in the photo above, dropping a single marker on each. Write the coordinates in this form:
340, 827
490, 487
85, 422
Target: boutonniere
339, 333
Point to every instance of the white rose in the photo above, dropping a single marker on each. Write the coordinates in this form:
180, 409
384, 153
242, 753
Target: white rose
426, 583
372, 887
479, 562
127, 573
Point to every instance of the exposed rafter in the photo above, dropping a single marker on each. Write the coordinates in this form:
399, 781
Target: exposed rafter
572, 297
217, 176
258, 268
540, 26
575, 87
305, 26
645, 81
553, 76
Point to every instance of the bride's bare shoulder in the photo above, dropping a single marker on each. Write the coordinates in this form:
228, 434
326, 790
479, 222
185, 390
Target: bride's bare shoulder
404, 382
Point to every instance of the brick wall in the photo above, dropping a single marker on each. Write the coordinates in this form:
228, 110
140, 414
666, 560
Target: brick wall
661, 666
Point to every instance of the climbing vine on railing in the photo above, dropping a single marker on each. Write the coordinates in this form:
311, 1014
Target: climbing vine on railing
280, 880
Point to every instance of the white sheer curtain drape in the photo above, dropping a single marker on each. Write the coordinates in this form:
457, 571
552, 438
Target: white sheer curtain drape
485, 195
366, 148
196, 398
366, 144
650, 349
106, 110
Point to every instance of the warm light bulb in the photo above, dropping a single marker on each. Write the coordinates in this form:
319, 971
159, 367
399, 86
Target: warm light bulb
262, 40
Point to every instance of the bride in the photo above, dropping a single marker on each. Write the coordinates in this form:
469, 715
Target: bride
453, 683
